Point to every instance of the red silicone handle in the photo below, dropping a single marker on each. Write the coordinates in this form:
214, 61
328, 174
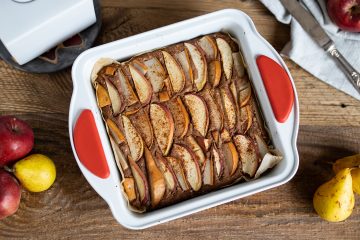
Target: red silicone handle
88, 145
278, 87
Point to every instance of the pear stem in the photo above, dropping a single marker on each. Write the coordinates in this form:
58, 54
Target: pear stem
8, 169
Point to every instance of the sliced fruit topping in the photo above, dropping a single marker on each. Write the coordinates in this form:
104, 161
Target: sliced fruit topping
225, 136
180, 116
115, 132
110, 70
156, 74
226, 56
215, 115
141, 122
208, 45
198, 112
216, 137
218, 160
234, 91
231, 157
141, 182
167, 171
179, 172
129, 187
199, 61
114, 95
245, 96
214, 73
102, 96
176, 74
246, 118
248, 154
142, 85
127, 90
195, 147
141, 67
120, 159
163, 126
204, 143
164, 96
133, 138
229, 108
191, 166
156, 179
238, 64
184, 60
208, 172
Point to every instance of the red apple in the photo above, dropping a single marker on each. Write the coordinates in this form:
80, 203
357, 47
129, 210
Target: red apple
345, 14
10, 194
16, 139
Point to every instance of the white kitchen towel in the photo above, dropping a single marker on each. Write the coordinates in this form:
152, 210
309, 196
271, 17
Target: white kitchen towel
305, 52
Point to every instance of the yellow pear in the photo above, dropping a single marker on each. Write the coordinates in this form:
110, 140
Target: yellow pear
36, 172
350, 162
334, 200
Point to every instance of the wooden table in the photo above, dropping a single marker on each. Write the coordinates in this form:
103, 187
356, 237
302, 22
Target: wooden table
330, 128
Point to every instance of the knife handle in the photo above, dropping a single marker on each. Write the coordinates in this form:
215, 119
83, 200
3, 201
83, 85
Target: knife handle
350, 72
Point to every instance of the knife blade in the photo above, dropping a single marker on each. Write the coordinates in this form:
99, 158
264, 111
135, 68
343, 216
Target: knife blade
318, 34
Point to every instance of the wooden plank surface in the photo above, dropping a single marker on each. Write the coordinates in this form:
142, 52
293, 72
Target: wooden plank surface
330, 128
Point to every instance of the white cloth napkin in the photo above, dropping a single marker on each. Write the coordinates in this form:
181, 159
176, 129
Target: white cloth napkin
305, 52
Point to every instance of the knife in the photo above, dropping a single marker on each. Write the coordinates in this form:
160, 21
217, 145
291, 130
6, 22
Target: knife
313, 28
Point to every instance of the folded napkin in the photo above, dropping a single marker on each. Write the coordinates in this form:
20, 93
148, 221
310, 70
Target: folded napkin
306, 53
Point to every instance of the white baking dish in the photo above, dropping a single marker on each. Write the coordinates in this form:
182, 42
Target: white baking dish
283, 135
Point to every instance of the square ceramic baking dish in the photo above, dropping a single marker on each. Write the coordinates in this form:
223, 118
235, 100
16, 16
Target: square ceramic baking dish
271, 81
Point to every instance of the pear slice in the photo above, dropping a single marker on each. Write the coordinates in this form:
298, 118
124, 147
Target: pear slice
127, 90
179, 172
167, 171
129, 187
249, 156
246, 118
225, 135
141, 122
208, 45
238, 64
195, 147
142, 85
214, 73
141, 67
115, 98
198, 112
180, 116
245, 96
102, 96
176, 74
163, 126
226, 56
119, 157
133, 138
229, 108
184, 60
215, 114
218, 160
141, 182
231, 157
190, 165
200, 66
156, 74
208, 172
156, 179
115, 132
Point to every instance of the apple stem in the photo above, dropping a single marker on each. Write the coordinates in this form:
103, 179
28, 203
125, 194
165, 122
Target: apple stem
8, 169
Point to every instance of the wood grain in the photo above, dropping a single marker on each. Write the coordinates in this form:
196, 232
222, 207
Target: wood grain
330, 128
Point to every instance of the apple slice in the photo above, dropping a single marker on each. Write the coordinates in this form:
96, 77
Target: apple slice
229, 108
245, 96
129, 188
133, 138
102, 96
195, 147
216, 137
167, 171
208, 45
115, 99
208, 172
249, 156
238, 64
119, 157
163, 126
180, 116
141, 182
156, 74
246, 118
200, 66
179, 172
191, 166
115, 132
215, 115
218, 160
198, 112
184, 60
176, 74
141, 122
127, 90
156, 179
141, 67
226, 56
142, 85
204, 143
214, 73
231, 157
225, 135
